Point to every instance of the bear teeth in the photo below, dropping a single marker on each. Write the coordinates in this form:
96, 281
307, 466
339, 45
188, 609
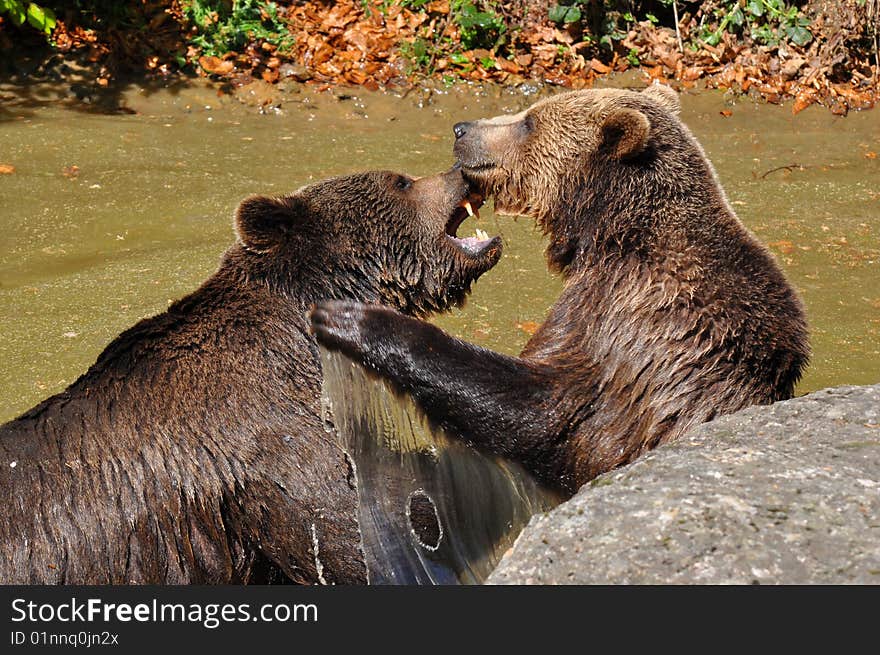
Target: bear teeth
469, 208
481, 235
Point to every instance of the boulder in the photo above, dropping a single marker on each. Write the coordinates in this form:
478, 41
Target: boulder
781, 494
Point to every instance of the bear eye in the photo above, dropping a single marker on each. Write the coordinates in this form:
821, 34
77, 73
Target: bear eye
403, 183
528, 124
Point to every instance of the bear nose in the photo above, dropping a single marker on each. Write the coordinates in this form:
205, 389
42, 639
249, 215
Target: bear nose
460, 129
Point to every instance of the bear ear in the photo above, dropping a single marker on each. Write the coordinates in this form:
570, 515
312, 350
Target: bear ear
262, 222
625, 132
665, 96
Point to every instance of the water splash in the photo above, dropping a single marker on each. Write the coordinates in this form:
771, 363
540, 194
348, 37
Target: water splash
432, 510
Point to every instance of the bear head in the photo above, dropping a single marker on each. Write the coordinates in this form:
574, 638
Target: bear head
376, 236
545, 161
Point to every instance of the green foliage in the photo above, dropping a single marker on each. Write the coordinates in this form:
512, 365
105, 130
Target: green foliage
479, 26
565, 13
488, 62
227, 27
385, 5
419, 53
478, 23
40, 18
614, 18
633, 57
769, 22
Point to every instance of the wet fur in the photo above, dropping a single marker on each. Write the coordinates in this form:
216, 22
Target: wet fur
194, 449
672, 313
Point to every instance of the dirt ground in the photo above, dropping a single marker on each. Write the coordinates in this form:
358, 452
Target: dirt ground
833, 61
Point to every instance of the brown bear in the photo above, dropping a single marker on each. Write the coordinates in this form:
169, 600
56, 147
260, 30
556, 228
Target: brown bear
194, 449
672, 313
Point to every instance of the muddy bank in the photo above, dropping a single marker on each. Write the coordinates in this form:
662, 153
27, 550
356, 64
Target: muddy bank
810, 52
785, 494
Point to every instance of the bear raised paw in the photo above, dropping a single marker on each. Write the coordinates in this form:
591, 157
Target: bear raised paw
194, 449
672, 313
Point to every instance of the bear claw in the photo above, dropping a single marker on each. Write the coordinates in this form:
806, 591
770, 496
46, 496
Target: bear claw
335, 324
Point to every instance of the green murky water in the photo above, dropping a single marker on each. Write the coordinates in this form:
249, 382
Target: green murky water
146, 215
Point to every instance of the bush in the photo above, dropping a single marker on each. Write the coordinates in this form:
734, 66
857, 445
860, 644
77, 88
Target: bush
229, 26
39, 18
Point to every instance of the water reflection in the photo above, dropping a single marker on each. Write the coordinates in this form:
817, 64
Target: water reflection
432, 510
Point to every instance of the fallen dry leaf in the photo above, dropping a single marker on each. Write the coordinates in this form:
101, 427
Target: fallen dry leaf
215, 65
803, 100
359, 42
871, 154
726, 113
529, 327
7, 169
70, 172
783, 246
599, 67
691, 73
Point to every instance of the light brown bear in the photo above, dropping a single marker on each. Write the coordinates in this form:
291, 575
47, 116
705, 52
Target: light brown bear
672, 313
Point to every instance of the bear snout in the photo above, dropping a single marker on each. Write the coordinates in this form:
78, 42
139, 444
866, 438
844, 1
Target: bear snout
468, 152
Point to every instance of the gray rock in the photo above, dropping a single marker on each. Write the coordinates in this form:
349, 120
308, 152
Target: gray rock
788, 493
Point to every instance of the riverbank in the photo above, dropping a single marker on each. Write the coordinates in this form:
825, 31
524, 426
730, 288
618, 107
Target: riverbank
805, 52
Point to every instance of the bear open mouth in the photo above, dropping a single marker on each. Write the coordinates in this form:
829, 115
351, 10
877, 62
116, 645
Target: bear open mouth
469, 206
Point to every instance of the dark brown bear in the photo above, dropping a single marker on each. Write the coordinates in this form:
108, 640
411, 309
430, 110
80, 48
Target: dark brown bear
672, 313
193, 450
